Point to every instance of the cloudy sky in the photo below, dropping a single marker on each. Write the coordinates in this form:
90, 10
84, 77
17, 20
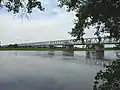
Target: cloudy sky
52, 24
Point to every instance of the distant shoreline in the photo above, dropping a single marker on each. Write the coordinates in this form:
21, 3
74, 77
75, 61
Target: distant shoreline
51, 49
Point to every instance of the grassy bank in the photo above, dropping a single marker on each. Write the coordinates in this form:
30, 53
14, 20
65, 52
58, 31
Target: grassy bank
28, 49
50, 49
43, 49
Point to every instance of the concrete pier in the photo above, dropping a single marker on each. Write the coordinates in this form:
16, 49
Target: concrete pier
98, 51
51, 46
99, 48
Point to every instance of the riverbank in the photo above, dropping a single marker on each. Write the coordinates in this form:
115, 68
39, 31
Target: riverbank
52, 49
43, 49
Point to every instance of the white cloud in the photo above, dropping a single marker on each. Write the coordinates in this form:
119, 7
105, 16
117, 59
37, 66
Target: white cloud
53, 24
15, 31
46, 2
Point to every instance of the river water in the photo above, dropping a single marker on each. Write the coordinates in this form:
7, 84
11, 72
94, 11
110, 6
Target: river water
49, 70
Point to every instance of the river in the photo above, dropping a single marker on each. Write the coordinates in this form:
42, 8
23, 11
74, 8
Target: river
49, 70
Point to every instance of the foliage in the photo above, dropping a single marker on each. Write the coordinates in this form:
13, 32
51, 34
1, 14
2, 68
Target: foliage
21, 5
12, 46
52, 46
108, 79
104, 15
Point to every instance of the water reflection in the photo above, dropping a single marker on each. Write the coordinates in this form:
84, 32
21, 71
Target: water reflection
48, 70
94, 54
100, 62
68, 53
51, 54
93, 58
40, 84
15, 53
89, 59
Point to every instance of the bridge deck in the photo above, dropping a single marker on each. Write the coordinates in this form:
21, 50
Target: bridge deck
87, 41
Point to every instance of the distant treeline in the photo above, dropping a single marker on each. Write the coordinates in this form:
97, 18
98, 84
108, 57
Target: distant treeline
29, 46
53, 47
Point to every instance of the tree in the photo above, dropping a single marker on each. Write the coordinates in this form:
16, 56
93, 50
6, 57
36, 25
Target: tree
15, 45
104, 15
21, 5
108, 79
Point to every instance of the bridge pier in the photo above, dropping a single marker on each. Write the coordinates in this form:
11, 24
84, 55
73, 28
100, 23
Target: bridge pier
51, 46
99, 48
88, 52
88, 55
98, 51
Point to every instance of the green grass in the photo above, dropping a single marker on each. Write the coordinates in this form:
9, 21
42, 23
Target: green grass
43, 49
29, 49
50, 49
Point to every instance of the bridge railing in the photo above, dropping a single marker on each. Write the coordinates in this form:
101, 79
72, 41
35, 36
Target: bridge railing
73, 42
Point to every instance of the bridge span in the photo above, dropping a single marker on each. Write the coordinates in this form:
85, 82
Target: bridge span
96, 43
86, 41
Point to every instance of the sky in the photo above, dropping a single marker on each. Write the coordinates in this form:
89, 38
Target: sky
52, 24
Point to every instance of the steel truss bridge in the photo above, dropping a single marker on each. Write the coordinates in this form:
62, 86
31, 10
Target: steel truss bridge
87, 41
